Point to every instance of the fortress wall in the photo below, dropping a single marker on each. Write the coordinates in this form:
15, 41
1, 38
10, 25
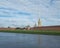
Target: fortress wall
46, 28
36, 28
7, 28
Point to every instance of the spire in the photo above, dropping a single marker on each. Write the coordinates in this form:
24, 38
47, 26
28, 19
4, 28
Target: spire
39, 22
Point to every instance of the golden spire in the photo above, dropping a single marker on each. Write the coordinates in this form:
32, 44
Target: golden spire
39, 22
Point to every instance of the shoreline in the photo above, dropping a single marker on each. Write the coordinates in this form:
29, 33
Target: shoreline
45, 32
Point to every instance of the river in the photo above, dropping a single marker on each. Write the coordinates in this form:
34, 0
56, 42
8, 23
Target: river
18, 40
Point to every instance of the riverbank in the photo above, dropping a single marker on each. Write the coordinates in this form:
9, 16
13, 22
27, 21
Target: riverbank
46, 32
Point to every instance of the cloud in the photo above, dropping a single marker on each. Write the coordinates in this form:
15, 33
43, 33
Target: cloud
24, 12
14, 22
12, 11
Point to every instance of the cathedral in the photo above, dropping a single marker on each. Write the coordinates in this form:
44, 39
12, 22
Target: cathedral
38, 23
39, 26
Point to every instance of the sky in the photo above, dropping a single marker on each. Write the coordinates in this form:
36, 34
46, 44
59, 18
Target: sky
20, 13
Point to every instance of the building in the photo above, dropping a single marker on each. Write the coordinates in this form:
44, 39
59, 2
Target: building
40, 27
39, 22
27, 27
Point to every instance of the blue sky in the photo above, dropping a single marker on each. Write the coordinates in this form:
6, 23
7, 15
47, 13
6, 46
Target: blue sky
20, 13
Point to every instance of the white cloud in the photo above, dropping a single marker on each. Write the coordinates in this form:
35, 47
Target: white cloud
48, 10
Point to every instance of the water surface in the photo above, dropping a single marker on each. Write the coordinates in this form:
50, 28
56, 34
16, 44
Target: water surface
17, 40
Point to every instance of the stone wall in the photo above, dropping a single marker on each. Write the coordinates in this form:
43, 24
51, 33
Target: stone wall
46, 28
7, 28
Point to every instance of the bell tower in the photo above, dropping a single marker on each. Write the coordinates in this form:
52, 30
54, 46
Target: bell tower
39, 22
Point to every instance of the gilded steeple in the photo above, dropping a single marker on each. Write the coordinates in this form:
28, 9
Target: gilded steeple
39, 22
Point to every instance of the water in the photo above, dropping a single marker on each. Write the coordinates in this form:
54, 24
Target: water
16, 40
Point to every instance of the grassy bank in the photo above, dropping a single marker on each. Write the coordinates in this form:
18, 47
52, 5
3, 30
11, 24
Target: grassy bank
47, 32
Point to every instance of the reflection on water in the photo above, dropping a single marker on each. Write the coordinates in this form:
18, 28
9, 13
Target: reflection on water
15, 40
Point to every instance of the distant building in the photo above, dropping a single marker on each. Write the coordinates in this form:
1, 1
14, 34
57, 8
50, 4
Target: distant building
39, 22
27, 27
40, 27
